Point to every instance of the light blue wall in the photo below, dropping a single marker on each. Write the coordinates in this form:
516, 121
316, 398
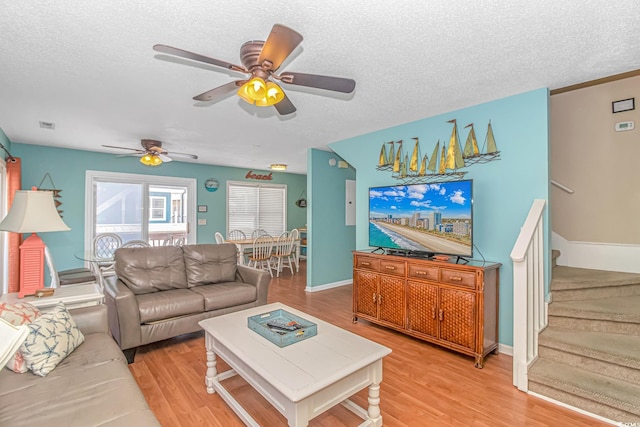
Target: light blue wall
67, 169
330, 241
503, 189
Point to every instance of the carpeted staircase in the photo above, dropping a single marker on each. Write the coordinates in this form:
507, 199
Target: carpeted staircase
589, 355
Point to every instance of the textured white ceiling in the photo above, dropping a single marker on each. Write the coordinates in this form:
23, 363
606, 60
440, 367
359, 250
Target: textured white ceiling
89, 67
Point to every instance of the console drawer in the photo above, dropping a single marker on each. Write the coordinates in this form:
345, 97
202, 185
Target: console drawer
368, 263
459, 278
392, 267
423, 272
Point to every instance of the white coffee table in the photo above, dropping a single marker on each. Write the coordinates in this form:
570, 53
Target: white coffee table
301, 380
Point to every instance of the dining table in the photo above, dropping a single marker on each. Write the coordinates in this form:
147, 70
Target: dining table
245, 244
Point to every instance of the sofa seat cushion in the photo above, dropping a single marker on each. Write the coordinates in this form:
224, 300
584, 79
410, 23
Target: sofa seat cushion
146, 270
167, 304
91, 387
223, 295
206, 264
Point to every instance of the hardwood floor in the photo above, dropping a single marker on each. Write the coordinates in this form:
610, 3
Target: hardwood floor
423, 385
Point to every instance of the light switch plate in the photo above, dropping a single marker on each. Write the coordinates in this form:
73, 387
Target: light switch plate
202, 221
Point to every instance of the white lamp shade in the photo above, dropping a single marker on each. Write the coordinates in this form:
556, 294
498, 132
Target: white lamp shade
33, 212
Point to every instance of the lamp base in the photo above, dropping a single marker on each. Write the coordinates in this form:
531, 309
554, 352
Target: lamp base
31, 265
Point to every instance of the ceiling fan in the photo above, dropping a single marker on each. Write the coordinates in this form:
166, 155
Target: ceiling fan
152, 153
260, 60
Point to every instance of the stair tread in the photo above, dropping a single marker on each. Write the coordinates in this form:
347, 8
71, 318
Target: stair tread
623, 309
616, 348
565, 278
616, 393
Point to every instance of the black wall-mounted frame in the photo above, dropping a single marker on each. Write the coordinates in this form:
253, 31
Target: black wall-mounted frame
623, 105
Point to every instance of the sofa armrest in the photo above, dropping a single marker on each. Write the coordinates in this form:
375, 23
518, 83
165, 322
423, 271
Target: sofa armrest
91, 320
124, 316
258, 278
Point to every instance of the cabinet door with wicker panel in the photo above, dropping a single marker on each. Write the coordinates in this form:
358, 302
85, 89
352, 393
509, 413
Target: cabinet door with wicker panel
422, 313
365, 292
457, 315
391, 303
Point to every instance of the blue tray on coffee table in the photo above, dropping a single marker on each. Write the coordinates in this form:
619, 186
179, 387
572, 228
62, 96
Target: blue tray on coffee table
258, 323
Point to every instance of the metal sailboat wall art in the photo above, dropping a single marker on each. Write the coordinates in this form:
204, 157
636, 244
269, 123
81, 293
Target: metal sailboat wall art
473, 155
445, 161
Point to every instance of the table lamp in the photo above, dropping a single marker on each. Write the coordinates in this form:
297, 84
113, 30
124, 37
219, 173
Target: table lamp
32, 212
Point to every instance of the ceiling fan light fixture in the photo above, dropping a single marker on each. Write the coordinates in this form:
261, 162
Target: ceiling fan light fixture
278, 167
242, 93
274, 94
150, 160
256, 88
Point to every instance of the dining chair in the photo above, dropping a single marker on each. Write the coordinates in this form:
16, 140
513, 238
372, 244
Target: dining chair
236, 235
135, 244
219, 238
75, 276
261, 255
283, 253
239, 235
259, 232
104, 245
295, 234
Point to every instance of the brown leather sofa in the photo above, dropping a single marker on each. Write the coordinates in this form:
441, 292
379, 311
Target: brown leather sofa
161, 292
92, 386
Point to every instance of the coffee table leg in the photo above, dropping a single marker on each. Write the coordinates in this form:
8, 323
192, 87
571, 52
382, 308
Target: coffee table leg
373, 412
211, 370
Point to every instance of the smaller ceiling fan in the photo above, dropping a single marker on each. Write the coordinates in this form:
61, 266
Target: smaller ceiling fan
152, 153
260, 60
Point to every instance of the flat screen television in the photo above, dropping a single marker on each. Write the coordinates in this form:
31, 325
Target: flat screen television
423, 219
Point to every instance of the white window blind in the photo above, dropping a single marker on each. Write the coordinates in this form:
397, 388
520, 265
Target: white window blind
252, 206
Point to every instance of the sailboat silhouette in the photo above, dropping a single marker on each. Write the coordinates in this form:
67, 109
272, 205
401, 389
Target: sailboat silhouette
473, 155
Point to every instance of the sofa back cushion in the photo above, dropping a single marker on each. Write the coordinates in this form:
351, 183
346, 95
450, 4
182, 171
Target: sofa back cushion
210, 263
154, 269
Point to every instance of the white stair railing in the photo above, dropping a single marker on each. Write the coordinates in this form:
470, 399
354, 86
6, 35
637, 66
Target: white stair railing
529, 307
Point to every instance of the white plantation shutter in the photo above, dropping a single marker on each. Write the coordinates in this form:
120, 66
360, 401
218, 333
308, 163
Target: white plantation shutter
251, 206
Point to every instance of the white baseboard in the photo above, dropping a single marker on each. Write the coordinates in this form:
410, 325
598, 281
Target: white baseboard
573, 408
505, 349
328, 286
597, 256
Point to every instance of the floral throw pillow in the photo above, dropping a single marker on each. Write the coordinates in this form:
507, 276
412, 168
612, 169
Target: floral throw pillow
18, 314
52, 337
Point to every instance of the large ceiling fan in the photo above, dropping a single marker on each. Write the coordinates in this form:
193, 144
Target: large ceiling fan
152, 153
261, 60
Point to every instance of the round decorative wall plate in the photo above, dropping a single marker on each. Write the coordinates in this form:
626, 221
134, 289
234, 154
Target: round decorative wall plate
211, 184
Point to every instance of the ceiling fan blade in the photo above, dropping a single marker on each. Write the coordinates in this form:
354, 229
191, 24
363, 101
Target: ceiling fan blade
336, 84
197, 57
285, 106
280, 43
218, 93
165, 158
124, 148
183, 155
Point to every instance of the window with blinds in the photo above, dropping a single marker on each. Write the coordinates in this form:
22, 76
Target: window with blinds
252, 206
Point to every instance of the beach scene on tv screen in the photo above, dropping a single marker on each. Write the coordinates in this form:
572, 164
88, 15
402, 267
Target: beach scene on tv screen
432, 217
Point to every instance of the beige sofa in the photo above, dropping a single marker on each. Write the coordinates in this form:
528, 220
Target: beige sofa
161, 292
90, 387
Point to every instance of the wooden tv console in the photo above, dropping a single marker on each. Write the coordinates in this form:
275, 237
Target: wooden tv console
448, 304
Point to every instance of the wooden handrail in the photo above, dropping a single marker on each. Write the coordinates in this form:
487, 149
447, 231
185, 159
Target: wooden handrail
562, 187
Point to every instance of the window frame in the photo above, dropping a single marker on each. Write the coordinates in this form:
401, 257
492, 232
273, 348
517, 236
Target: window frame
147, 181
162, 209
258, 186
